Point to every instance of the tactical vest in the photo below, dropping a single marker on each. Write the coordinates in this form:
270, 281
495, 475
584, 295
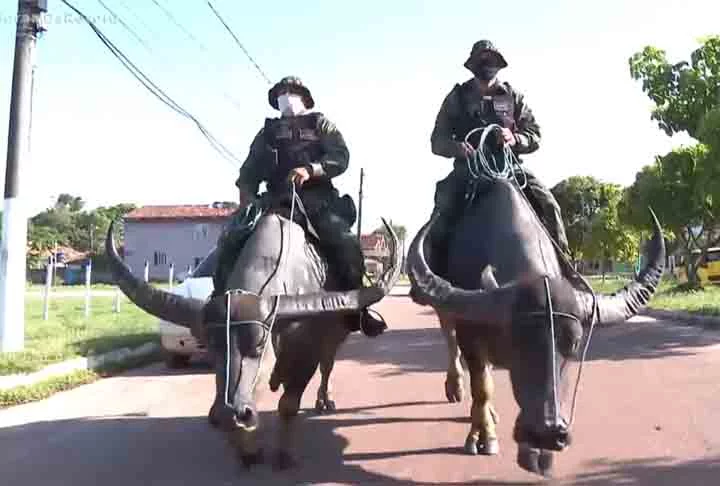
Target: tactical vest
476, 112
296, 142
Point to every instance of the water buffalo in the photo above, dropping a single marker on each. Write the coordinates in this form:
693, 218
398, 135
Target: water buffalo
287, 299
509, 300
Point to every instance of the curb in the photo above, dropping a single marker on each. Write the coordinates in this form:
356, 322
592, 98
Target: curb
77, 364
687, 318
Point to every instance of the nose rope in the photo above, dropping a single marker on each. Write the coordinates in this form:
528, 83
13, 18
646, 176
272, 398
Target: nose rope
553, 353
283, 263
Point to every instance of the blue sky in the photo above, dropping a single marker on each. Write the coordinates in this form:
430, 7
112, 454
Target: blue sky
379, 70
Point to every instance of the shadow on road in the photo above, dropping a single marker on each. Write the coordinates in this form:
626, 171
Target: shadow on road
655, 472
184, 450
424, 350
648, 340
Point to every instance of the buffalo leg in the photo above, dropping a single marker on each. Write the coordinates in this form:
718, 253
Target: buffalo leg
300, 365
482, 438
330, 345
454, 376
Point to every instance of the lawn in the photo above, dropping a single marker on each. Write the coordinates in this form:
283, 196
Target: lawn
669, 296
69, 334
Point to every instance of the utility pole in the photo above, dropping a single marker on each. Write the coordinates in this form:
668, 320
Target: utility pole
360, 203
14, 230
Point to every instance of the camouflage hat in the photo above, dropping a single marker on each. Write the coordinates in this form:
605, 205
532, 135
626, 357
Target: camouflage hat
294, 85
484, 46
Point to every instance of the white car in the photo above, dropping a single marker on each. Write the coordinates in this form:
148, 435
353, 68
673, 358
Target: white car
178, 344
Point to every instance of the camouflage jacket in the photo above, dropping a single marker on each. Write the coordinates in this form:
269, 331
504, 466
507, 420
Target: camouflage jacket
450, 129
259, 164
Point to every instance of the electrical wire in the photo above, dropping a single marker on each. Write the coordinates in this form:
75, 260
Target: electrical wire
237, 41
125, 25
154, 89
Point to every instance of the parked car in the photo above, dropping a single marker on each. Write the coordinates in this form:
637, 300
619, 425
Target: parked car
177, 343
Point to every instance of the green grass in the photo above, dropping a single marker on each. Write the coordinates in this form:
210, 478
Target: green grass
68, 334
670, 296
81, 288
43, 389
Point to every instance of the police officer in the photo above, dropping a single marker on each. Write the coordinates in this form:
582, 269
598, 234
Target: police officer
476, 103
305, 148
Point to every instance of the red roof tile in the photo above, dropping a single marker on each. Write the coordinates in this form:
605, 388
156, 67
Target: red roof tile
372, 241
187, 211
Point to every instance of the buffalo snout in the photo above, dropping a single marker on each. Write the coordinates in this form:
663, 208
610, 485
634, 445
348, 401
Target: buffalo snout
552, 437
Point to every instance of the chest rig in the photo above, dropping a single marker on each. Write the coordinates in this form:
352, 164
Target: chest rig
296, 143
479, 111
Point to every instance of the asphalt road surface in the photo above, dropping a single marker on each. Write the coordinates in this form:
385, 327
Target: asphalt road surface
648, 414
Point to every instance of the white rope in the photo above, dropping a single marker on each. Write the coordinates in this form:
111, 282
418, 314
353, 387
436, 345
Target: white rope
480, 167
553, 353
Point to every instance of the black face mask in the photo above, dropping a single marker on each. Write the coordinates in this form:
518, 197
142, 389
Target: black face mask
485, 72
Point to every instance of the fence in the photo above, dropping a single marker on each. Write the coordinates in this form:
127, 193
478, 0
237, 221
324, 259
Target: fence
89, 278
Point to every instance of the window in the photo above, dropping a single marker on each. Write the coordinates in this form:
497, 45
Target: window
159, 258
200, 232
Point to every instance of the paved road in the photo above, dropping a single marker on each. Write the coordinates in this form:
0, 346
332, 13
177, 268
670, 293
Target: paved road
648, 414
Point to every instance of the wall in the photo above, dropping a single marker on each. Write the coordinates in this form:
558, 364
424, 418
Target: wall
182, 242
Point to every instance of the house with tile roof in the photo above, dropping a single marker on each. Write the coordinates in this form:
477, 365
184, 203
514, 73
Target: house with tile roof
182, 235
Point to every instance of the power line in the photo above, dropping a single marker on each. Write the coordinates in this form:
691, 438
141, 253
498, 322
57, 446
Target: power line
126, 26
172, 19
154, 89
238, 42
136, 16
235, 103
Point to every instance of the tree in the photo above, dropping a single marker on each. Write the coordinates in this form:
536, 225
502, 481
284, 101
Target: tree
682, 185
609, 237
580, 198
683, 92
399, 230
69, 203
65, 223
683, 188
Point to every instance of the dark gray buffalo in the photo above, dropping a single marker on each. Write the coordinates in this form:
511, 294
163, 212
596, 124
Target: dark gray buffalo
509, 301
287, 301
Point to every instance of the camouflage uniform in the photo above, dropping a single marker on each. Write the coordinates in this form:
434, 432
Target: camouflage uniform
283, 144
464, 109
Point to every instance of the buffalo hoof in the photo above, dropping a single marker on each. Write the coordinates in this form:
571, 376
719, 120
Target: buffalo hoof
213, 418
471, 446
545, 462
283, 461
536, 461
274, 381
488, 447
325, 406
454, 390
250, 460
528, 459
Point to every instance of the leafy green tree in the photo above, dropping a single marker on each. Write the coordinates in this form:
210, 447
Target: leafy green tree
683, 92
580, 198
683, 188
399, 230
683, 185
609, 237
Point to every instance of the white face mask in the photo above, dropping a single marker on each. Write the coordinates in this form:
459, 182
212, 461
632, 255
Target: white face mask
291, 104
